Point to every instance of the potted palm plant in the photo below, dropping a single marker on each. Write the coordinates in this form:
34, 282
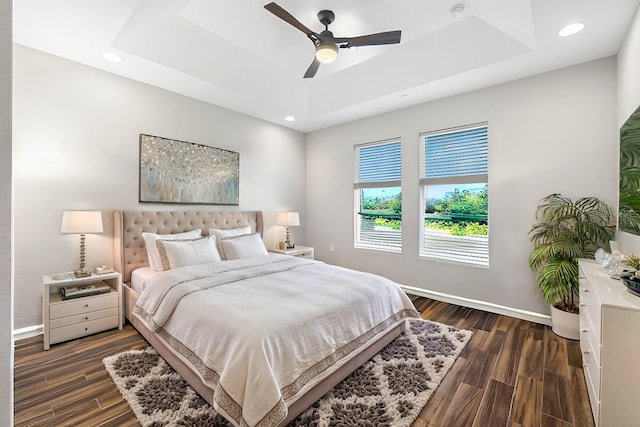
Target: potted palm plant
564, 232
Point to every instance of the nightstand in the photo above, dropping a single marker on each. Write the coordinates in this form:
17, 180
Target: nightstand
299, 251
76, 317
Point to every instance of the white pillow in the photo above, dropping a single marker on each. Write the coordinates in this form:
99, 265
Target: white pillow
231, 232
152, 249
180, 253
243, 246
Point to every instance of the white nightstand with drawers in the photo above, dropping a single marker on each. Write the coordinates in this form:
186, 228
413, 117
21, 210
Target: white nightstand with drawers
76, 317
299, 251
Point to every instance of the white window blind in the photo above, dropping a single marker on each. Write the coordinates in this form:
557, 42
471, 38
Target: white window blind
460, 153
377, 188
455, 197
378, 163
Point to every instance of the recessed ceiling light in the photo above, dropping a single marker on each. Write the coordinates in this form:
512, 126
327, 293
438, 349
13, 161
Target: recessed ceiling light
112, 57
289, 118
571, 29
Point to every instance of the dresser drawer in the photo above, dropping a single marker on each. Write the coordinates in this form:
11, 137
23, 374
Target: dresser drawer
591, 368
83, 305
591, 308
593, 396
79, 330
589, 339
81, 318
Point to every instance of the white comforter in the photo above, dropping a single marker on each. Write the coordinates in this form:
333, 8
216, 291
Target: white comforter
262, 330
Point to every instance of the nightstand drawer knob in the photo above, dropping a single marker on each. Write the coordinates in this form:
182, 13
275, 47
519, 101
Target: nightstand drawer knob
86, 305
86, 317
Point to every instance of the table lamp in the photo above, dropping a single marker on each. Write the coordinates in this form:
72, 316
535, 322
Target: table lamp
81, 222
288, 219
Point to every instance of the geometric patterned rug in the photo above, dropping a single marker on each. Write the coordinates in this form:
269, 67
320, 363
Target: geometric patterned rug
388, 390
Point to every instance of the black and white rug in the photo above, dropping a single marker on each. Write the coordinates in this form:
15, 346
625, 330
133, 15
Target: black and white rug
389, 390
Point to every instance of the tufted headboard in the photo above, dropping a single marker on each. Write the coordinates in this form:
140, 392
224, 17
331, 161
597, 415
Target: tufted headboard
129, 251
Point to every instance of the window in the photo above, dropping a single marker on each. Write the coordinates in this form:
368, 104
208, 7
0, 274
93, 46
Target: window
454, 195
378, 196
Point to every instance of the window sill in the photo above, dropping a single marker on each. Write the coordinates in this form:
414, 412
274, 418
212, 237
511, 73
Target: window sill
377, 248
452, 261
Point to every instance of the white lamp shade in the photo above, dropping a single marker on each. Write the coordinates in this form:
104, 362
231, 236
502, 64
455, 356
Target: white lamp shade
288, 218
81, 222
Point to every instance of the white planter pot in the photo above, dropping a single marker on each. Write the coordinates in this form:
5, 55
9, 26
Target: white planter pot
565, 324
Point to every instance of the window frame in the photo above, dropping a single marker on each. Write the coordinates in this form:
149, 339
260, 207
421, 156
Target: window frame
425, 183
358, 186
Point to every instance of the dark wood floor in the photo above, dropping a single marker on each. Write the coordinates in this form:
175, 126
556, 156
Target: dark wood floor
512, 373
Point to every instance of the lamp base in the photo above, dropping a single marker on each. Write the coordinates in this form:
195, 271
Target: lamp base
82, 273
287, 243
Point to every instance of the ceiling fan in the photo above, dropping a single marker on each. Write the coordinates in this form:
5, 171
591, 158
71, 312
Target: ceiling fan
325, 43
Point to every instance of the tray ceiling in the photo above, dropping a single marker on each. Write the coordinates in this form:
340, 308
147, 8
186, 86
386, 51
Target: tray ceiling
239, 56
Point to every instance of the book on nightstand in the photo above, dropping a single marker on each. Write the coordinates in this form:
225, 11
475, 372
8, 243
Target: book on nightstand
70, 292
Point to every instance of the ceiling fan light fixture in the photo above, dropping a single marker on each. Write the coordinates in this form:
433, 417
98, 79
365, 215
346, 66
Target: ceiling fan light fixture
325, 44
326, 52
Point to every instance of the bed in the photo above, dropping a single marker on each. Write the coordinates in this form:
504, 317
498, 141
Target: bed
260, 337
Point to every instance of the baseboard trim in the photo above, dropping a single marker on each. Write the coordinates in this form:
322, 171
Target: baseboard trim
28, 332
530, 316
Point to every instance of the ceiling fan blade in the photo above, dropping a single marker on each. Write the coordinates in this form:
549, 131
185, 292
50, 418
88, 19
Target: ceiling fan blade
313, 68
287, 17
389, 37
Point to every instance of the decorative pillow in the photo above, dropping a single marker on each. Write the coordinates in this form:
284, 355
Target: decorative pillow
243, 246
231, 232
152, 249
180, 253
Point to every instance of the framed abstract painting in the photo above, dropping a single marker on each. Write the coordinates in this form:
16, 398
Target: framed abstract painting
173, 171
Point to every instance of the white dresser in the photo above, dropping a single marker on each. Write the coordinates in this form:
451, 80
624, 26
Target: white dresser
610, 344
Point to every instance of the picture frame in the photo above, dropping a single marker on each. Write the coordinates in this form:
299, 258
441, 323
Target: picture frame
174, 171
629, 182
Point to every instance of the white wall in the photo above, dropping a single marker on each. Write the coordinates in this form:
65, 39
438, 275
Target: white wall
628, 100
554, 132
6, 303
75, 133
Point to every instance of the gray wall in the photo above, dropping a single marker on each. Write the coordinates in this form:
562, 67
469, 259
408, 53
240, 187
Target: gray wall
554, 132
6, 299
75, 133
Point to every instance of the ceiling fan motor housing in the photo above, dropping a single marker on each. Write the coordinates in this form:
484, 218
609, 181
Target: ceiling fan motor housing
326, 17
